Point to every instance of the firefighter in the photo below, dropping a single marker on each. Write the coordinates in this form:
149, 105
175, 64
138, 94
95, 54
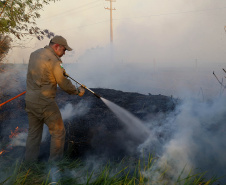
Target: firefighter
45, 72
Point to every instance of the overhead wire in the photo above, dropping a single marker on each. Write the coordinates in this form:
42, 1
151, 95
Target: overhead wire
153, 15
107, 20
172, 13
74, 10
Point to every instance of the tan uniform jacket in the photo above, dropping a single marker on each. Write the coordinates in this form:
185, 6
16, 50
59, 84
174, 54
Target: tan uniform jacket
44, 73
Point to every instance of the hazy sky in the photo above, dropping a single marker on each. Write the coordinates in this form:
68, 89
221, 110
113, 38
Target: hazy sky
148, 29
149, 34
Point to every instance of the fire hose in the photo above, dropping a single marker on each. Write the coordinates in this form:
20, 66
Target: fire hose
66, 75
12, 98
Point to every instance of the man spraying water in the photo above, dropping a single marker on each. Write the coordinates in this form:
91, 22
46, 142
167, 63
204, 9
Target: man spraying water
45, 72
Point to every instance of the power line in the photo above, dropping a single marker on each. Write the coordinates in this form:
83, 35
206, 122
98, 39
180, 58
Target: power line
85, 25
73, 10
172, 13
163, 14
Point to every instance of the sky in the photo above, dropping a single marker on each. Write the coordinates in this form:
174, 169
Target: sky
149, 36
164, 30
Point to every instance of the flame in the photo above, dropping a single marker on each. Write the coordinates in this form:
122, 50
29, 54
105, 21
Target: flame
15, 133
11, 136
2, 152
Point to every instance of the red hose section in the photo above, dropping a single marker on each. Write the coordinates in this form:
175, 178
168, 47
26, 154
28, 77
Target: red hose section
12, 98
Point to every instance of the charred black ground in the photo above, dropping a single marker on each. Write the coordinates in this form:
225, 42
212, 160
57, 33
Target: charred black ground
98, 132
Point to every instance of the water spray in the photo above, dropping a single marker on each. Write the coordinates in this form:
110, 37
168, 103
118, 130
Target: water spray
134, 125
65, 74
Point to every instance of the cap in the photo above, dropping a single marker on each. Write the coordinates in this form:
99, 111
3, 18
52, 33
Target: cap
62, 41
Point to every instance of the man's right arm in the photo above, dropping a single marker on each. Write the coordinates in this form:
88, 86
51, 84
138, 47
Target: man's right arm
62, 81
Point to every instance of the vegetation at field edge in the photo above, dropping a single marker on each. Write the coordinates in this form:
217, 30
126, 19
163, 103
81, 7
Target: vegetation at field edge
68, 171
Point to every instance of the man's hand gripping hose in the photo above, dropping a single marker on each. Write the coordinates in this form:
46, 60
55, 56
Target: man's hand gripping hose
81, 85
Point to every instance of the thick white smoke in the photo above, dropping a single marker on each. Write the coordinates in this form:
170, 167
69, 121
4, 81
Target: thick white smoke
19, 140
70, 111
197, 140
109, 67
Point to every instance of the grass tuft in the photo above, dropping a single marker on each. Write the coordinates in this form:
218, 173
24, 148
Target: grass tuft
128, 171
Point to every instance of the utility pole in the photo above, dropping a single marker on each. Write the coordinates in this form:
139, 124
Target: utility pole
111, 24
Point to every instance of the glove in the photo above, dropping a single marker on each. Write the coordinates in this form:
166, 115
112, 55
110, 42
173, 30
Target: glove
81, 91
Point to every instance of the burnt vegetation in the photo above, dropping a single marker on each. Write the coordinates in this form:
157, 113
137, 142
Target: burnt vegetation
95, 130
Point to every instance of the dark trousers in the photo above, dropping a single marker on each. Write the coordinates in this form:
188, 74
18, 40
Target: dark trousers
51, 116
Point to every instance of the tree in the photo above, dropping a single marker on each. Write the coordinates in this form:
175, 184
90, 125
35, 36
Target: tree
17, 17
5, 42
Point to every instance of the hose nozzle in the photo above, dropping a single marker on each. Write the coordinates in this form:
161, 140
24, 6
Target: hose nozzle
97, 95
65, 74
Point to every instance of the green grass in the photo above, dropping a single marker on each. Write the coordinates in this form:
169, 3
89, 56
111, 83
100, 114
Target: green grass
128, 171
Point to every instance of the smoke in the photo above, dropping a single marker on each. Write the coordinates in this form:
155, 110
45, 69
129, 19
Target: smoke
55, 175
161, 128
92, 164
109, 67
197, 140
19, 140
12, 79
191, 137
70, 111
